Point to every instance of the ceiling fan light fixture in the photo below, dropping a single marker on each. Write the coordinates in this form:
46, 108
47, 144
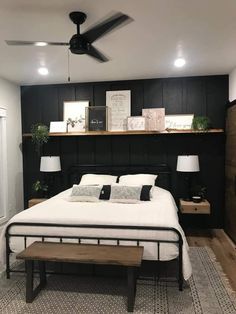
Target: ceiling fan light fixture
180, 62
43, 71
41, 44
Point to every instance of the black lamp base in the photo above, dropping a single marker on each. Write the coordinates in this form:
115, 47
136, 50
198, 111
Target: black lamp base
187, 199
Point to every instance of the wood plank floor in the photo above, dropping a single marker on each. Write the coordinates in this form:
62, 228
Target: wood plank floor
222, 246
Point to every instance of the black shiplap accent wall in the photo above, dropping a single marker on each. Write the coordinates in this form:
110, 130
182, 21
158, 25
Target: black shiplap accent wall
207, 95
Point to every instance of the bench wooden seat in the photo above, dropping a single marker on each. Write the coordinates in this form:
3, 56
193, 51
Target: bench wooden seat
128, 256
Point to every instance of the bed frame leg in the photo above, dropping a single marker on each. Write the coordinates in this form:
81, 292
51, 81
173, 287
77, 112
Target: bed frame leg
180, 284
7, 258
8, 273
180, 279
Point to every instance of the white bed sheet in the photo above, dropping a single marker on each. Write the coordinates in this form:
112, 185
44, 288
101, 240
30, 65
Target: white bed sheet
160, 211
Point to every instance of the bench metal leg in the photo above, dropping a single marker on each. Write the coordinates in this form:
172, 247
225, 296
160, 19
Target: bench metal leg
42, 274
29, 265
31, 293
131, 272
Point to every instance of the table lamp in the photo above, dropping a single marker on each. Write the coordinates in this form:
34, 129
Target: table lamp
188, 164
50, 164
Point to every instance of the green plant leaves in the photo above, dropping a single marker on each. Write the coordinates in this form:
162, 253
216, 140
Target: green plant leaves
201, 123
40, 135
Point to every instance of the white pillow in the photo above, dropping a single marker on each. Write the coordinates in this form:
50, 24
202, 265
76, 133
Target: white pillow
138, 179
101, 179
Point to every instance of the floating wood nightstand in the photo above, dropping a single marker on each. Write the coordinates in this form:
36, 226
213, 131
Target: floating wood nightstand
35, 201
203, 207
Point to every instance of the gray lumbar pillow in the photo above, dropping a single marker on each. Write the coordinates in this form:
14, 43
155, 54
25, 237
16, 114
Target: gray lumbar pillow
125, 194
85, 193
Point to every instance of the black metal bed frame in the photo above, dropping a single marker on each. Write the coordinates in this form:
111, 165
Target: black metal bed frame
75, 173
178, 241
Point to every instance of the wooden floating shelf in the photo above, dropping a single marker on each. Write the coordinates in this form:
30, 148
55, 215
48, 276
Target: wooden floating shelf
101, 133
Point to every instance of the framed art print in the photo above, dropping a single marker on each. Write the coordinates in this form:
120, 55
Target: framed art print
137, 123
96, 118
74, 115
179, 121
119, 104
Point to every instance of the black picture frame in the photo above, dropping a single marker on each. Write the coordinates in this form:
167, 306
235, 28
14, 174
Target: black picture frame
97, 118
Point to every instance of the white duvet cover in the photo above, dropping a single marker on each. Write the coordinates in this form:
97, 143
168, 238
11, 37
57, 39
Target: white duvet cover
161, 211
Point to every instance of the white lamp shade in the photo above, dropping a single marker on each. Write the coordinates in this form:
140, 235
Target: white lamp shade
188, 163
50, 164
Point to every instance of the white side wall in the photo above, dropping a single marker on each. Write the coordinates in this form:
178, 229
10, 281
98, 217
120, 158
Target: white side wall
232, 85
10, 100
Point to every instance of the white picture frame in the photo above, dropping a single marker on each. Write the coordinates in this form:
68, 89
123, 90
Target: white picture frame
75, 110
58, 127
119, 103
179, 122
136, 123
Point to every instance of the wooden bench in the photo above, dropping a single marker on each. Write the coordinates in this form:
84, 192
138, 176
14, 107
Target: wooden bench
128, 256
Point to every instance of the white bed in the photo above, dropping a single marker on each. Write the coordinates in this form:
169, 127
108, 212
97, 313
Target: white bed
161, 211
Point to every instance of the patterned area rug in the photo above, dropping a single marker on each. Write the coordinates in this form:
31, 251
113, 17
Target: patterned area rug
207, 292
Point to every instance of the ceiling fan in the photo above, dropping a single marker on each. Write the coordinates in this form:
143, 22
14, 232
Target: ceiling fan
82, 43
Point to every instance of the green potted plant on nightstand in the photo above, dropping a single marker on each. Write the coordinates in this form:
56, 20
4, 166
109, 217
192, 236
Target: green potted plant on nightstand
39, 189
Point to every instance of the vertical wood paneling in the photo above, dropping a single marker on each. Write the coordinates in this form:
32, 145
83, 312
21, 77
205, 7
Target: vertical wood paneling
85, 150
198, 95
120, 150
156, 149
84, 91
31, 164
173, 95
138, 150
30, 106
137, 97
103, 152
217, 97
194, 96
153, 93
99, 96
48, 101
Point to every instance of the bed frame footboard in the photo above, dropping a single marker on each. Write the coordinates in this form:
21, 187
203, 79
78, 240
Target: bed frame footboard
178, 241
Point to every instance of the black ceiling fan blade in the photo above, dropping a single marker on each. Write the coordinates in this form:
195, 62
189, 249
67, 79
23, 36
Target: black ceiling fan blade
34, 43
106, 26
95, 53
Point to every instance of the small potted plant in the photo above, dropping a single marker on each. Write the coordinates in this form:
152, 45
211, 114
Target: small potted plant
40, 135
39, 189
201, 123
198, 193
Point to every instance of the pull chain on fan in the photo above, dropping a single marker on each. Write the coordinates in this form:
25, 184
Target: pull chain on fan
68, 64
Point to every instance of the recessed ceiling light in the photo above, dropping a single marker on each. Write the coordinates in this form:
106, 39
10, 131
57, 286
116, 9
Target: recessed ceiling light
41, 44
43, 71
180, 62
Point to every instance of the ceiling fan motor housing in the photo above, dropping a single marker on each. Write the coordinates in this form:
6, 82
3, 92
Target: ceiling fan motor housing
78, 44
78, 17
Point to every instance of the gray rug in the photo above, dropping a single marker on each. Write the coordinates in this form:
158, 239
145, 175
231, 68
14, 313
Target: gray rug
206, 292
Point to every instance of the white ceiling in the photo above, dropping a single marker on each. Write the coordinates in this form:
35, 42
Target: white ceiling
201, 31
